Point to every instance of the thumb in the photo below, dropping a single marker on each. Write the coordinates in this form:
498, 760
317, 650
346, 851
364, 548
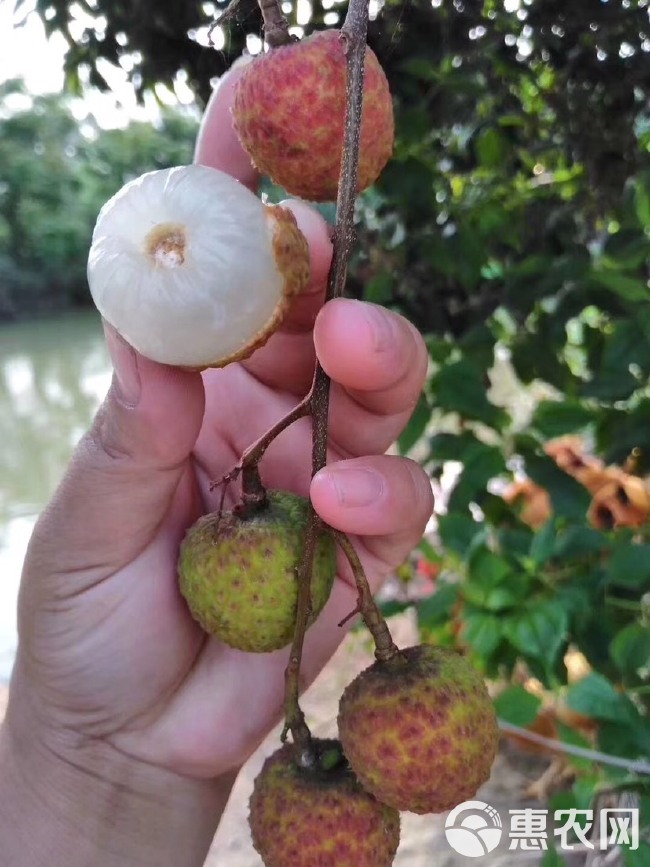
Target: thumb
123, 475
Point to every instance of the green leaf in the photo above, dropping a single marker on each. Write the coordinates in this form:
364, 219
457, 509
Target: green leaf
578, 541
630, 288
539, 632
553, 418
462, 387
416, 426
492, 584
439, 607
486, 567
630, 649
453, 447
629, 566
491, 148
642, 200
517, 706
594, 696
481, 463
458, 532
482, 632
542, 546
636, 857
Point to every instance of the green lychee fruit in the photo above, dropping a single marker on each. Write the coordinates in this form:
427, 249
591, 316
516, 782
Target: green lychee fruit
420, 731
289, 111
238, 573
319, 817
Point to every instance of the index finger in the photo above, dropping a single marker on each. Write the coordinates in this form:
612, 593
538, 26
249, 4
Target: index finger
217, 145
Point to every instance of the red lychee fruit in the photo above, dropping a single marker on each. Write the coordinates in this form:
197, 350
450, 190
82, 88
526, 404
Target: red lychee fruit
289, 111
319, 816
420, 731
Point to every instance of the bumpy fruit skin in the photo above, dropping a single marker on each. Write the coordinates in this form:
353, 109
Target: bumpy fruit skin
289, 111
238, 575
420, 734
319, 818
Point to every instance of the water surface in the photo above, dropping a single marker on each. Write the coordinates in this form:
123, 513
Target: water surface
53, 375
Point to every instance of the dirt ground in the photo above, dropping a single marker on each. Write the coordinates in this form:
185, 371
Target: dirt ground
423, 841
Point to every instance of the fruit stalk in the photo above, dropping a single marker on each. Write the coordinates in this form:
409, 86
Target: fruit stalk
276, 26
354, 31
385, 647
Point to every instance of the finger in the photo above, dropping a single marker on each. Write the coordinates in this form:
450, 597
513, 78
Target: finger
385, 499
287, 360
125, 471
217, 144
377, 356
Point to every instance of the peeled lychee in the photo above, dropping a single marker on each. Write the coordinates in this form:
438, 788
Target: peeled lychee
319, 817
289, 112
420, 731
238, 573
192, 269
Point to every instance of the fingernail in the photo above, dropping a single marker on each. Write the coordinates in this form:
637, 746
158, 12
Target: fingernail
356, 487
381, 327
125, 365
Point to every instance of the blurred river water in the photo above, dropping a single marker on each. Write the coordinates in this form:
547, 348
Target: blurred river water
53, 375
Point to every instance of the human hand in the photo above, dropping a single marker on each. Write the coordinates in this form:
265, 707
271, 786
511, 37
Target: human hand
110, 661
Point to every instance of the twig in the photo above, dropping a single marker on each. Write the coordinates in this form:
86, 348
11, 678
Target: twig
353, 33
385, 647
636, 767
276, 26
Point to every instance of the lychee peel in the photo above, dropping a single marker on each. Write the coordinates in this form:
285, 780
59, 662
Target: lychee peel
319, 818
289, 112
238, 574
420, 732
192, 269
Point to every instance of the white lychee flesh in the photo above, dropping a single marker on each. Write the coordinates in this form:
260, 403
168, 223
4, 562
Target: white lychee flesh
192, 269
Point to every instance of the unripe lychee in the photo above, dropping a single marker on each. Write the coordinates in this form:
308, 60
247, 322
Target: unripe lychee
319, 817
192, 269
420, 731
289, 112
238, 573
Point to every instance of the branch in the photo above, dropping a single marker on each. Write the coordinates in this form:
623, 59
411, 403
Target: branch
353, 33
385, 647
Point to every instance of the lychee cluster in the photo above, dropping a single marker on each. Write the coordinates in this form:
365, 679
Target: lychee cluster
418, 733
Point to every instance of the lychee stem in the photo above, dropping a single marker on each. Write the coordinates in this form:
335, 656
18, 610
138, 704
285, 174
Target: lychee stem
316, 403
385, 647
276, 26
253, 491
353, 33
253, 454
